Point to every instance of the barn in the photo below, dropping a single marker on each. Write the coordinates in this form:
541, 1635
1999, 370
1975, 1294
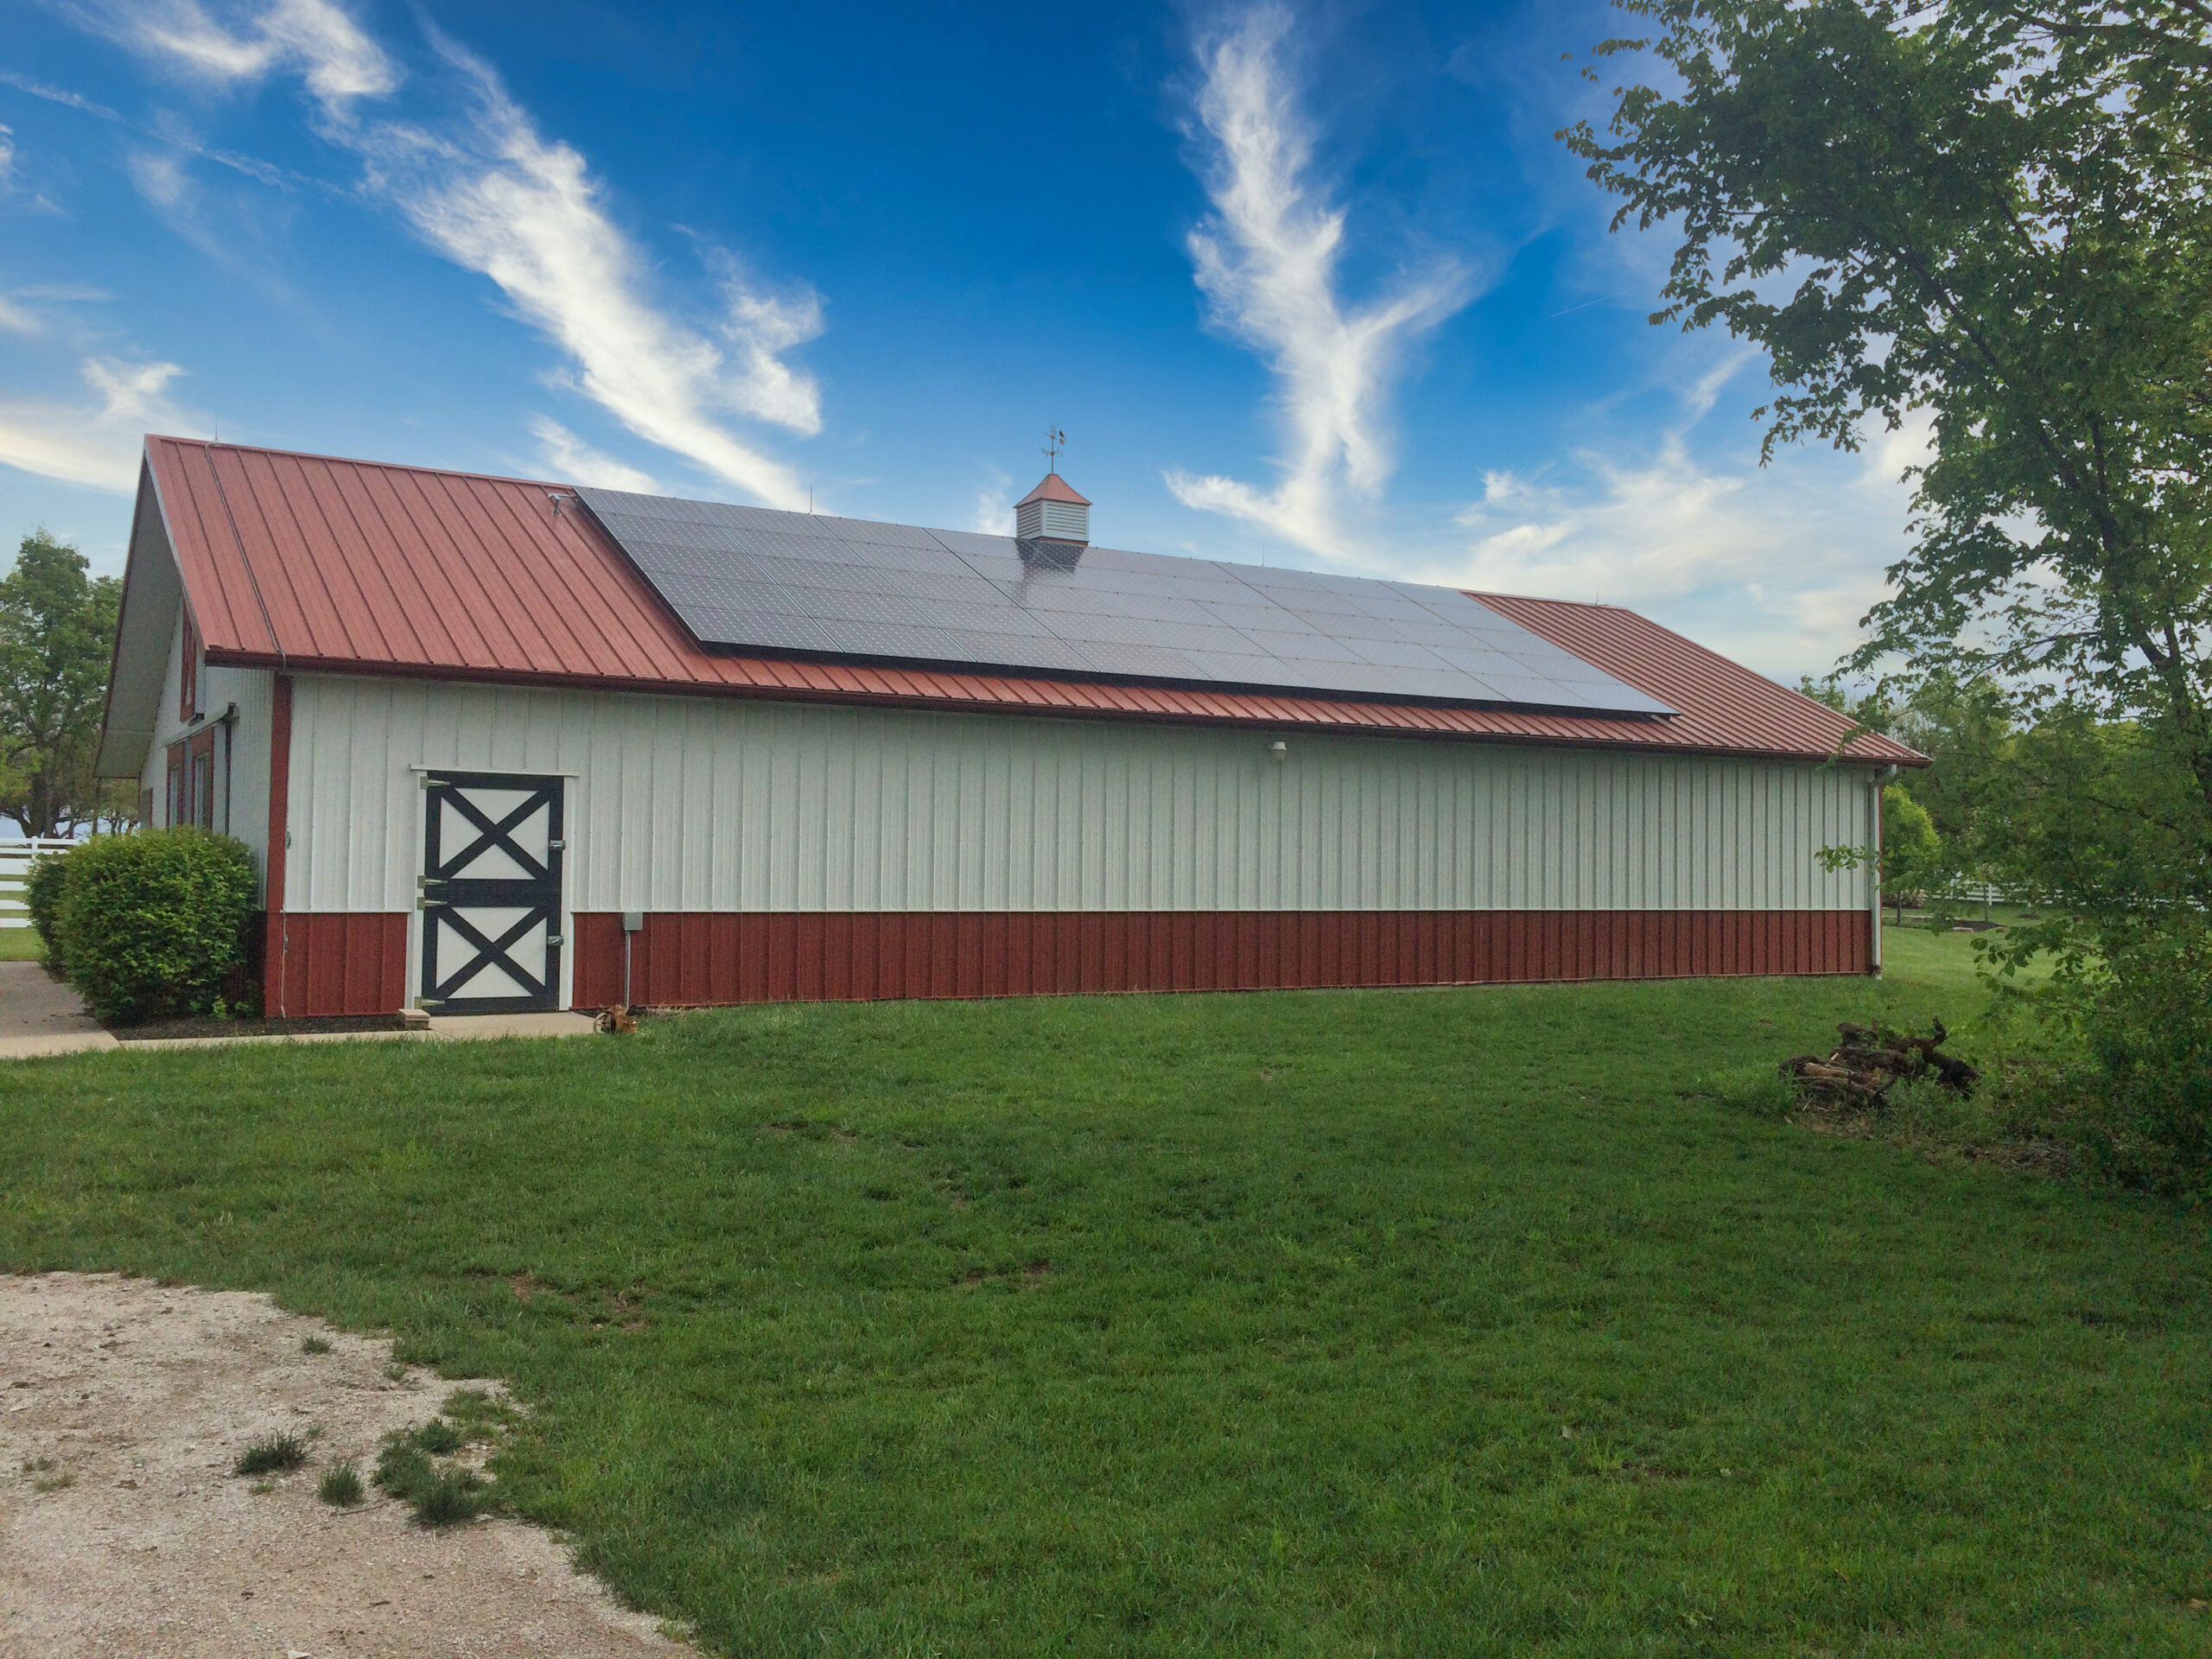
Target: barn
502, 743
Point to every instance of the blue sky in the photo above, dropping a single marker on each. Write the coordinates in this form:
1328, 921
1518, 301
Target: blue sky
1310, 285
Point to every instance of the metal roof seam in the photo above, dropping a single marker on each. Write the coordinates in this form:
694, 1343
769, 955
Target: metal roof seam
319, 588
578, 609
244, 558
245, 611
356, 581
1666, 663
495, 623
549, 606
298, 584
284, 587
427, 607
212, 601
469, 610
324, 529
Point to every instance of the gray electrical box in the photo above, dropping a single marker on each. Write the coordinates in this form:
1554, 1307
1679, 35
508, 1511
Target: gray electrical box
634, 921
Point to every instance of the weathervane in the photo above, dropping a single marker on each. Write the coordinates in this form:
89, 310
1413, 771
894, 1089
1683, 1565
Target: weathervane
1055, 443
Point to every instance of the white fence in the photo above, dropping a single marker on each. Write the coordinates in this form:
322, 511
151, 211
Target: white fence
16, 858
1973, 892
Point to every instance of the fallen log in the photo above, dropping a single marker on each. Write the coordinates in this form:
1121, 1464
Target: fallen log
1868, 1059
1837, 1082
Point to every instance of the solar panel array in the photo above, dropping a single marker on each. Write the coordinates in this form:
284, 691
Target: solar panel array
749, 578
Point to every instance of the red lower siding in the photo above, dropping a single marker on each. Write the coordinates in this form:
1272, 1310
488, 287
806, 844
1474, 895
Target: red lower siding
328, 962
702, 957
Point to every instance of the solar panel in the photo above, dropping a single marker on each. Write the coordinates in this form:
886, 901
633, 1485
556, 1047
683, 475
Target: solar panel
752, 579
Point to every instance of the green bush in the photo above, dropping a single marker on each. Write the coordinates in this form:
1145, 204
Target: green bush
2113, 1057
2145, 1018
42, 885
150, 925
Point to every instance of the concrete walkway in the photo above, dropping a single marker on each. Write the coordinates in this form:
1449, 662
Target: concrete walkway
38, 1014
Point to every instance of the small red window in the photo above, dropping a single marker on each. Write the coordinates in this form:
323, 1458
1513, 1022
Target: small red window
176, 781
192, 779
188, 690
199, 778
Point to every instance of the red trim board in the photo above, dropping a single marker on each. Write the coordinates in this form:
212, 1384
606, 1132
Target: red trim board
275, 986
703, 958
356, 963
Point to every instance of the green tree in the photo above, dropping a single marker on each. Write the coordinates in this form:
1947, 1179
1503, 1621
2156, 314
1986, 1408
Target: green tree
1869, 708
1994, 216
1912, 853
57, 637
1998, 213
1965, 727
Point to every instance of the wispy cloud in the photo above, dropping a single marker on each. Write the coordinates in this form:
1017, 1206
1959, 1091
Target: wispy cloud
572, 460
231, 227
231, 44
484, 187
159, 179
760, 328
1634, 534
24, 83
95, 443
166, 129
994, 512
497, 198
27, 311
1267, 260
1773, 566
7, 159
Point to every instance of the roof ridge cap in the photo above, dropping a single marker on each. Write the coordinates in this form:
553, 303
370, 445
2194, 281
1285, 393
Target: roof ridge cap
357, 460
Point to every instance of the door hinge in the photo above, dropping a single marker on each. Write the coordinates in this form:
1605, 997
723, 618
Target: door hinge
552, 939
556, 844
428, 903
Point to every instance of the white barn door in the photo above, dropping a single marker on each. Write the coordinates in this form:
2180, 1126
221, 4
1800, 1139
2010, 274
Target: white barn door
491, 887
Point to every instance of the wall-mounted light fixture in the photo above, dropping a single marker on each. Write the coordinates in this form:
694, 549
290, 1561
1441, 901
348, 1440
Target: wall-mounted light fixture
1278, 751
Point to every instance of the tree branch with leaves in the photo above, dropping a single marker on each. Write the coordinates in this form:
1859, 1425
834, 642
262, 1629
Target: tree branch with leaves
1994, 216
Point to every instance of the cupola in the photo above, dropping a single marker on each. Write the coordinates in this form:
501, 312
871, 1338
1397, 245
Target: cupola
1052, 512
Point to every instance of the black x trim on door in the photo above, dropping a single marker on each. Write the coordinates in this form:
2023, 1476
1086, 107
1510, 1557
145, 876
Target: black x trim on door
456, 892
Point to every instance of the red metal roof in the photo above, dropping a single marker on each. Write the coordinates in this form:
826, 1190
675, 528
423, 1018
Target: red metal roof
1719, 703
318, 564
1054, 488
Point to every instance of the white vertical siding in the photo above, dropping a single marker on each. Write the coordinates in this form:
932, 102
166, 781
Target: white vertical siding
245, 812
700, 803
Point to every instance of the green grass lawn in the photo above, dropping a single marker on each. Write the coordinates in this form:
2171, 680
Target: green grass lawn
21, 944
1351, 1323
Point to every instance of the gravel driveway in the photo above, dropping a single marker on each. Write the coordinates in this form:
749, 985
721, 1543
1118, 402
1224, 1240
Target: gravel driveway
123, 1532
